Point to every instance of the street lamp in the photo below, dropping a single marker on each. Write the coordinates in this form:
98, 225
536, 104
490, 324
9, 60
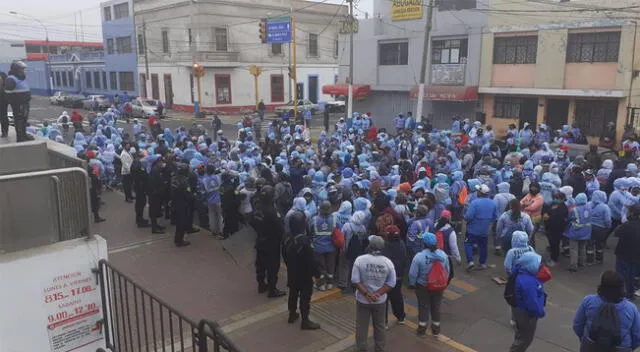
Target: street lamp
46, 35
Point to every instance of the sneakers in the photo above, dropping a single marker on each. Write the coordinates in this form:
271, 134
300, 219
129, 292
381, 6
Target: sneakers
481, 267
551, 263
435, 330
183, 244
470, 266
401, 321
637, 293
329, 286
421, 330
293, 317
309, 325
275, 293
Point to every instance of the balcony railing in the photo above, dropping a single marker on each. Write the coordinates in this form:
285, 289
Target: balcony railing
93, 56
204, 56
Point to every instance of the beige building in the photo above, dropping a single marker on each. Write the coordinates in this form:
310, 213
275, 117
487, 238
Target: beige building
560, 63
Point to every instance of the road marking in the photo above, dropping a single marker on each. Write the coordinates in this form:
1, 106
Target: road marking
464, 285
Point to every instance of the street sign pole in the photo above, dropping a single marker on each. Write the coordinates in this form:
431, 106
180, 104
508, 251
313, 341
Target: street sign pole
295, 68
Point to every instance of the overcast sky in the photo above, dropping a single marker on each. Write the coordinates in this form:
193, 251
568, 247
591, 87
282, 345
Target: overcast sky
62, 18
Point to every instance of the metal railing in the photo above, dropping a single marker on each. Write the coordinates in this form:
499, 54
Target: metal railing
43, 207
137, 320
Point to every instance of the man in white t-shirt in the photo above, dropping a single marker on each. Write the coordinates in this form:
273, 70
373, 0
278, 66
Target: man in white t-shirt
373, 275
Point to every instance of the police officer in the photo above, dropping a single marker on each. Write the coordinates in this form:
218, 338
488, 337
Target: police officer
157, 191
140, 186
267, 222
18, 95
301, 268
4, 119
181, 197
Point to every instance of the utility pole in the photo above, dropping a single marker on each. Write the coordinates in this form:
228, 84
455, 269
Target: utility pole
425, 53
350, 95
290, 90
194, 64
294, 68
146, 51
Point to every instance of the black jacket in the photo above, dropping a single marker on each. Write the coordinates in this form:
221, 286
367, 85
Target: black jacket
157, 182
558, 215
268, 223
180, 192
140, 178
297, 254
396, 251
628, 248
578, 183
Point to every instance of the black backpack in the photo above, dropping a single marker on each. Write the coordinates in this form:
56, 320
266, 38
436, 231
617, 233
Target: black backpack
605, 328
355, 247
510, 290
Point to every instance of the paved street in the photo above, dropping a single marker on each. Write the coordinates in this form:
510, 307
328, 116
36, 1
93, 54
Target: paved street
215, 280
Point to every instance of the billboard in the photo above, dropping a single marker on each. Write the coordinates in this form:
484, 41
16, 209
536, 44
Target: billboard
447, 74
403, 10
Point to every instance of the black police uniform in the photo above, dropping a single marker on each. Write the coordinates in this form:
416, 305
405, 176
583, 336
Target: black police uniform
4, 108
18, 96
268, 224
157, 190
140, 180
181, 197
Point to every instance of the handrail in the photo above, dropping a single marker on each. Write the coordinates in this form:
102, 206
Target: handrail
34, 174
56, 179
215, 332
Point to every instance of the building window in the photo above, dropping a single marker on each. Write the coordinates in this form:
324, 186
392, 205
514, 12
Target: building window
221, 39
313, 44
507, 107
276, 49
165, 41
143, 85
452, 51
121, 10
126, 81
223, 89
336, 47
123, 45
107, 13
140, 44
393, 53
515, 50
87, 80
453, 5
96, 80
70, 78
110, 47
113, 80
593, 47
592, 116
104, 80
191, 86
57, 80
277, 88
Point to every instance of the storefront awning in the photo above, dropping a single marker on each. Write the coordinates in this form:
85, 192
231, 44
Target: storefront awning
360, 91
447, 93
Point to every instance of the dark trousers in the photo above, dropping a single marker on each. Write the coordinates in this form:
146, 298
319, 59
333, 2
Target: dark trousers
397, 301
126, 186
628, 272
182, 224
525, 330
554, 236
95, 202
155, 206
301, 291
595, 246
4, 119
141, 202
20, 116
429, 303
481, 242
267, 266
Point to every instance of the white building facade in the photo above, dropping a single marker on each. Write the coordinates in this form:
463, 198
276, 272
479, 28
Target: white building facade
223, 37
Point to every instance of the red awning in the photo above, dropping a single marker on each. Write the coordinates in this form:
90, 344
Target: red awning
360, 91
447, 93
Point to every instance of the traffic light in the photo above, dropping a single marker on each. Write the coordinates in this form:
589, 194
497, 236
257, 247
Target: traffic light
292, 72
197, 70
263, 30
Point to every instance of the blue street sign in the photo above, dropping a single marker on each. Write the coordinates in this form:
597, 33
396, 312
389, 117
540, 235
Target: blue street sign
279, 30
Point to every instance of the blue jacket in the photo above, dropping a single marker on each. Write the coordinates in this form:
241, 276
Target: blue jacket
519, 246
579, 221
344, 213
414, 234
505, 226
355, 226
627, 312
529, 291
503, 198
321, 230
481, 213
617, 198
600, 212
422, 263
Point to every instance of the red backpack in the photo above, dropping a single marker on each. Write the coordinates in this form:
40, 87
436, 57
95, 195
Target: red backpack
440, 240
437, 278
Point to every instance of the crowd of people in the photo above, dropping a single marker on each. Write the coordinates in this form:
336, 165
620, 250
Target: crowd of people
363, 209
